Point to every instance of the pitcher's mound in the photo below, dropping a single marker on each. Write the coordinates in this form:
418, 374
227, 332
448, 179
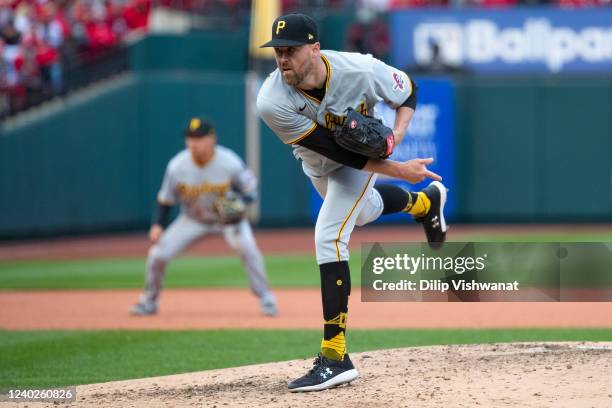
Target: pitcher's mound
510, 375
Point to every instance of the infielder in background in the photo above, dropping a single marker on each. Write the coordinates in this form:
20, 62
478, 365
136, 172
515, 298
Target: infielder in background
304, 101
214, 188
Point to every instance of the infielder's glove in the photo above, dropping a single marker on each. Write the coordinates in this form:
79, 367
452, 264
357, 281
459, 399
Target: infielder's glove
230, 208
365, 135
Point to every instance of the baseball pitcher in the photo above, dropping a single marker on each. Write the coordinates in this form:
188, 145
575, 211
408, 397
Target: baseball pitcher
214, 188
320, 102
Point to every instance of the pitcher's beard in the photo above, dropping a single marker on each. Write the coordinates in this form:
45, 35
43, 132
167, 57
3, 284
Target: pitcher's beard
293, 79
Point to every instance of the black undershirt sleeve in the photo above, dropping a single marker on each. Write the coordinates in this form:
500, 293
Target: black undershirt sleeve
321, 140
161, 214
411, 102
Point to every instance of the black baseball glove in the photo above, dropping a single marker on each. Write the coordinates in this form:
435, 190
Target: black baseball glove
365, 135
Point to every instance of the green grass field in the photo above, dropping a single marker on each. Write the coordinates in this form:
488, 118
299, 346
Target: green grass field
54, 358
283, 271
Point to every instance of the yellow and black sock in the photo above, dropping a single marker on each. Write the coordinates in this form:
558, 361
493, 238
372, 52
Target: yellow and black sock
335, 292
419, 205
396, 199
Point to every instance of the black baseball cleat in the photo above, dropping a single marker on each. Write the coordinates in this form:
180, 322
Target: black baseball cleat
324, 374
434, 223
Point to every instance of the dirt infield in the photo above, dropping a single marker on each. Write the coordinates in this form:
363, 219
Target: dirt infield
537, 375
270, 241
299, 308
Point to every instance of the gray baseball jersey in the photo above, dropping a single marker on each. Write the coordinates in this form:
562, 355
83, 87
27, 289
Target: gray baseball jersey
197, 188
353, 80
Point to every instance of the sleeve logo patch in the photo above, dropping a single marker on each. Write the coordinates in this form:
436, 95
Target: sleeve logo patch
353, 124
400, 84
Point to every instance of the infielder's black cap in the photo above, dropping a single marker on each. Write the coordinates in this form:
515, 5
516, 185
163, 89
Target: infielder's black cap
198, 128
292, 30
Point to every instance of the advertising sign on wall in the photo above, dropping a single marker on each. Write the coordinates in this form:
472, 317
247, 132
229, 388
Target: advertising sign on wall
530, 40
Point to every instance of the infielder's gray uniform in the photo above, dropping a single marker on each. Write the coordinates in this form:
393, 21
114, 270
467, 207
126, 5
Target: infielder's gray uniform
196, 189
349, 198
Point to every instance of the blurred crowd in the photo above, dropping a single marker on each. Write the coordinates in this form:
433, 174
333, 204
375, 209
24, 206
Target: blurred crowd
45, 43
39, 38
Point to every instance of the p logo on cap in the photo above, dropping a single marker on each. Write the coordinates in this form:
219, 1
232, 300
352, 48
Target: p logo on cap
293, 30
194, 124
280, 25
199, 127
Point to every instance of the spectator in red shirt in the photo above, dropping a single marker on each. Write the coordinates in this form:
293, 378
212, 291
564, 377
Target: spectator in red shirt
136, 15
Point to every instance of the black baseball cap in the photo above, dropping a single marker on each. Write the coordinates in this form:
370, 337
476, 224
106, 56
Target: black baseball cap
199, 128
292, 30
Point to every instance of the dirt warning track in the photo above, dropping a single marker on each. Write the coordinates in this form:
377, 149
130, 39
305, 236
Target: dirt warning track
279, 241
299, 309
